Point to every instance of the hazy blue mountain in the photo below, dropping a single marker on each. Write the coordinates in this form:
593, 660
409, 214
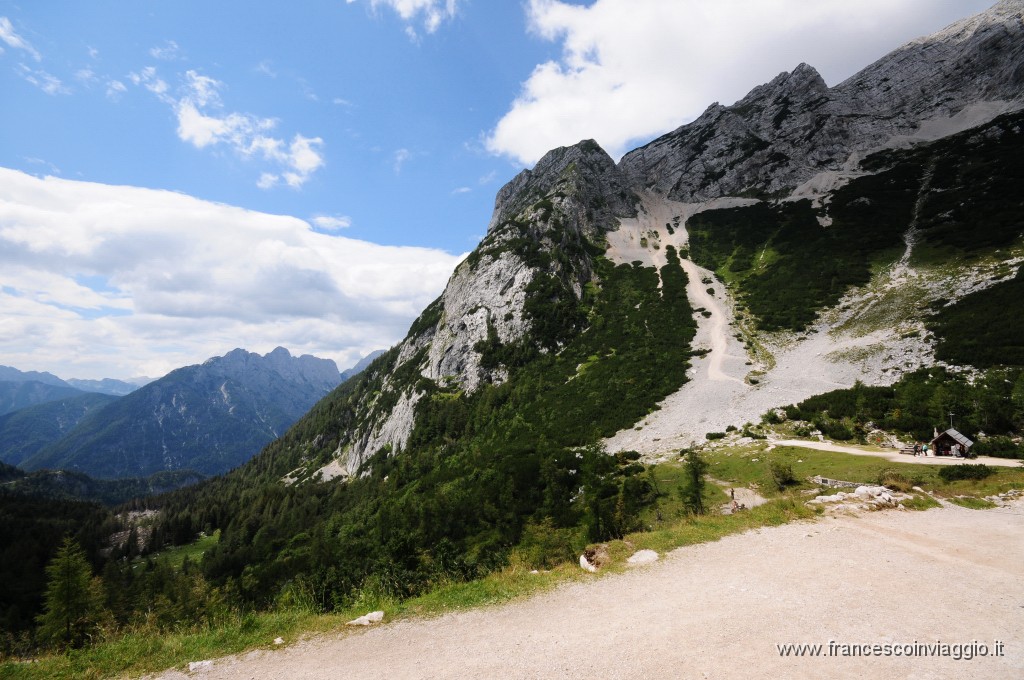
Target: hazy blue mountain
210, 417
11, 374
16, 395
118, 388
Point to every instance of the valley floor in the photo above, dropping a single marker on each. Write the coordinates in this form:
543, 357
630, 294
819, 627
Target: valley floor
720, 610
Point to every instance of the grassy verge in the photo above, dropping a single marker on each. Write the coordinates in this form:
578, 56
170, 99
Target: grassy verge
972, 502
148, 650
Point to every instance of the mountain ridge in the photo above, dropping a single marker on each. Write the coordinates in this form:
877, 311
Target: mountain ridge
169, 424
814, 129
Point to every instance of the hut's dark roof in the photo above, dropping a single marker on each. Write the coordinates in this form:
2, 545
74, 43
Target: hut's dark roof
956, 436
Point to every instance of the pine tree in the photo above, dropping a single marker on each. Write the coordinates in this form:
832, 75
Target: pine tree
73, 600
693, 492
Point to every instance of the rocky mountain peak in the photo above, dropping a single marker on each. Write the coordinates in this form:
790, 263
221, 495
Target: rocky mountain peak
786, 131
320, 372
803, 82
584, 166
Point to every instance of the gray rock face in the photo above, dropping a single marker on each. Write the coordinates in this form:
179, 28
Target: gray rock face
786, 131
586, 171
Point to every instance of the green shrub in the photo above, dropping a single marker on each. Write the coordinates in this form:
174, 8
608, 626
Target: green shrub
543, 545
953, 473
999, 447
782, 473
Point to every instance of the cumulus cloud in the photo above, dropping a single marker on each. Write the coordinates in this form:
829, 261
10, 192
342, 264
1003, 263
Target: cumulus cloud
12, 39
99, 280
633, 69
203, 122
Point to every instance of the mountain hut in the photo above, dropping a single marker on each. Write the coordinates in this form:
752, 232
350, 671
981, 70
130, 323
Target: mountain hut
951, 443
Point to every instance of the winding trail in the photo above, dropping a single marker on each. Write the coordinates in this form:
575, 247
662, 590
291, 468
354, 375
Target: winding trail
717, 325
716, 380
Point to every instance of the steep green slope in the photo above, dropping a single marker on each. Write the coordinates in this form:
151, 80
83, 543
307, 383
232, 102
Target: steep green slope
983, 329
478, 470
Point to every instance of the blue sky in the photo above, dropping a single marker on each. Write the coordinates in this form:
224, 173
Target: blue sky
181, 178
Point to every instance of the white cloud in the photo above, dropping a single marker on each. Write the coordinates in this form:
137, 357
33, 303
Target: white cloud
332, 222
169, 51
48, 83
461, 190
148, 78
115, 88
8, 35
633, 69
99, 280
266, 69
203, 123
86, 75
430, 14
400, 157
203, 90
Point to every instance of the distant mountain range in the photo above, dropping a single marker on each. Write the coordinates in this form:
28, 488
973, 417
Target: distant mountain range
21, 389
207, 418
118, 388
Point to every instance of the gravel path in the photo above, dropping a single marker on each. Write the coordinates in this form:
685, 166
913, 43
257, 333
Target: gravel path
898, 457
718, 610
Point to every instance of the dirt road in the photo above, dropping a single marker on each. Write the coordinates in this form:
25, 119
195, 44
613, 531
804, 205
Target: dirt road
719, 610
